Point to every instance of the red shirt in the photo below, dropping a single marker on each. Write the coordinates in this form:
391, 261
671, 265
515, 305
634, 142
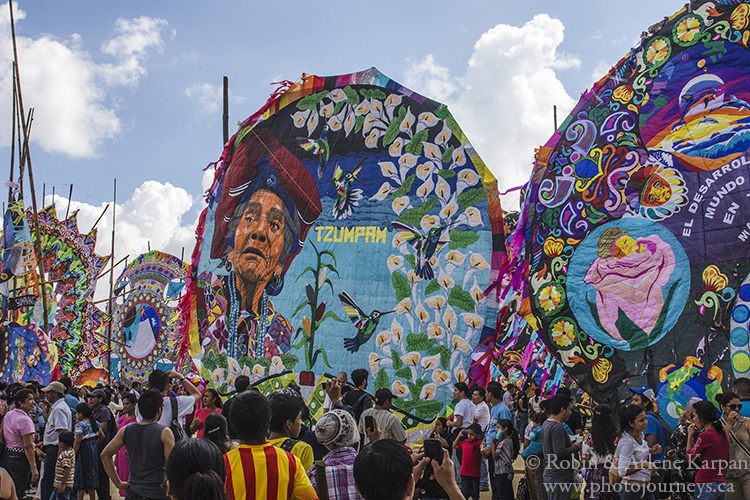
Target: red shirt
471, 460
713, 449
202, 413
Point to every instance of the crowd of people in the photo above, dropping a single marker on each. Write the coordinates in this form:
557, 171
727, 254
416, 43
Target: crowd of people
172, 440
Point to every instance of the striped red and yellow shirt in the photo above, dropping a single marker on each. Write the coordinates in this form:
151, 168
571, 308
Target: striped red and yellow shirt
260, 472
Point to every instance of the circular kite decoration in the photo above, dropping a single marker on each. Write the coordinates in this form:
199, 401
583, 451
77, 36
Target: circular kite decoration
350, 224
146, 323
635, 228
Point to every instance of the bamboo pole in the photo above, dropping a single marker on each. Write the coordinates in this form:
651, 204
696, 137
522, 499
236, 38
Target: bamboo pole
70, 196
100, 218
103, 274
111, 282
12, 143
225, 116
27, 157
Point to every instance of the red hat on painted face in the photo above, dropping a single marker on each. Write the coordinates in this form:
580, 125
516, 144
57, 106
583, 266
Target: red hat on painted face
260, 161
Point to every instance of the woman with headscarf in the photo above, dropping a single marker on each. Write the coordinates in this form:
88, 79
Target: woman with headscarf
337, 431
682, 474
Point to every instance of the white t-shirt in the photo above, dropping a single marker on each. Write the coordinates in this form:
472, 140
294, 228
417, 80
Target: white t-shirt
527, 431
185, 405
482, 415
465, 408
327, 403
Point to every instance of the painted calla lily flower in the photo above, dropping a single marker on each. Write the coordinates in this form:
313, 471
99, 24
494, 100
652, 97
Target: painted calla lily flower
397, 331
312, 123
337, 95
478, 262
362, 108
388, 169
460, 344
411, 359
426, 169
396, 147
371, 141
422, 314
436, 302
435, 331
425, 189
431, 151
446, 281
399, 389
383, 192
455, 257
428, 392
404, 306
394, 262
428, 119
449, 319
327, 110
299, 118
444, 136
408, 121
374, 362
441, 376
449, 210
430, 362
473, 320
383, 338
400, 204
461, 375
427, 222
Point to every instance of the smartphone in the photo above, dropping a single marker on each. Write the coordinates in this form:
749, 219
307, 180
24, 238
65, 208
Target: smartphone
370, 423
433, 449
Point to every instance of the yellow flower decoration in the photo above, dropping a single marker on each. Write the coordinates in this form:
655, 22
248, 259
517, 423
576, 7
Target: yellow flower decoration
714, 279
549, 298
601, 369
563, 333
687, 28
658, 51
553, 247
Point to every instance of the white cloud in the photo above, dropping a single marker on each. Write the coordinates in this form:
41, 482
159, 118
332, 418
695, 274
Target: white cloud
600, 71
71, 93
435, 81
504, 101
210, 97
156, 213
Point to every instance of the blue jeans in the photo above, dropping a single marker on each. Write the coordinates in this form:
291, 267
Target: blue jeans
470, 487
484, 479
68, 494
555, 490
50, 459
634, 492
710, 491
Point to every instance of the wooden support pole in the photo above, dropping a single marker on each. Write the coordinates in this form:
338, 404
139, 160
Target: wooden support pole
104, 273
100, 217
225, 116
70, 196
111, 282
27, 157
12, 141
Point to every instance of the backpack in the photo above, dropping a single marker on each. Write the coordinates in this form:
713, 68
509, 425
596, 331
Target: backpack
358, 407
174, 425
665, 431
288, 444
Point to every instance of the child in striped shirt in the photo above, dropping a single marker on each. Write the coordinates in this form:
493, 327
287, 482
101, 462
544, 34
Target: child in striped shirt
64, 468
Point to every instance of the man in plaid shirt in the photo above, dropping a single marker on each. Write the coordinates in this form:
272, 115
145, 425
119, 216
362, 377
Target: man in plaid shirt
337, 430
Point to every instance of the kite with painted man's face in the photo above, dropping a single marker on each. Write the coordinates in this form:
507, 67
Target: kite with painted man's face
350, 225
635, 232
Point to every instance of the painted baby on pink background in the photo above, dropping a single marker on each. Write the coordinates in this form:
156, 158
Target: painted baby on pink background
628, 275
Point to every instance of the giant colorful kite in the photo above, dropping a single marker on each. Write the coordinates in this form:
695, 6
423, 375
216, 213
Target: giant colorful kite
145, 320
350, 224
634, 238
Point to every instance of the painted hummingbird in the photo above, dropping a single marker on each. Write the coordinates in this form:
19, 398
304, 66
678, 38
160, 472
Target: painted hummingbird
366, 324
426, 246
318, 147
346, 197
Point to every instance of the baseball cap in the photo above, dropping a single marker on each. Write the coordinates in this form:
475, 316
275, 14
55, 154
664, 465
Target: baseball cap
646, 392
383, 395
55, 387
99, 393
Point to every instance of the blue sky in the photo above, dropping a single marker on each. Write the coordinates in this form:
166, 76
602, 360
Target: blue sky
132, 89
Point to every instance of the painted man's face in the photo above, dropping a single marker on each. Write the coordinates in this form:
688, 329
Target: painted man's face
259, 239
